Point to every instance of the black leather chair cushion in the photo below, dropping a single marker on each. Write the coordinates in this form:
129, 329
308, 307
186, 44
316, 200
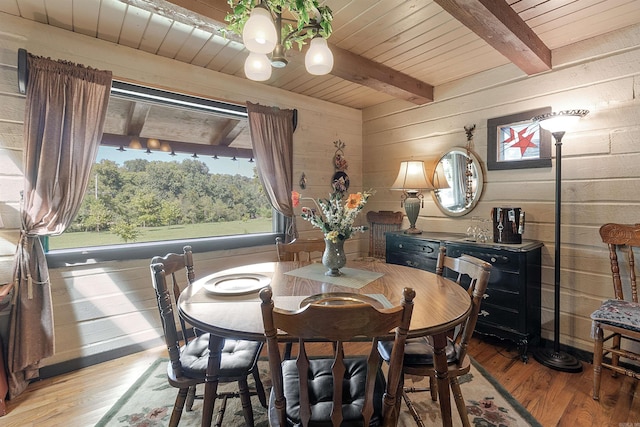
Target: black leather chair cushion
321, 390
417, 351
237, 358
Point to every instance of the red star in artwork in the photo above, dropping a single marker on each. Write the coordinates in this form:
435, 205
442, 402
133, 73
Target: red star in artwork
524, 141
512, 136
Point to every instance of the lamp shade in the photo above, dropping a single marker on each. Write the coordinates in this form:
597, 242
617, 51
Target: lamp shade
440, 181
560, 121
259, 34
257, 67
412, 176
319, 59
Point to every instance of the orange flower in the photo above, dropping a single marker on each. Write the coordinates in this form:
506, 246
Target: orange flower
295, 198
354, 200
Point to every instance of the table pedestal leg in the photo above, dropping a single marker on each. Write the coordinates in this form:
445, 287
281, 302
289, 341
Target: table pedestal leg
211, 379
442, 376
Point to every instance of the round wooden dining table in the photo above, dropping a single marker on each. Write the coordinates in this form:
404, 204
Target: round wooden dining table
226, 304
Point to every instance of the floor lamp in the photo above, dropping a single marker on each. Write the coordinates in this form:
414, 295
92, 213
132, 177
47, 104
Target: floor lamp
558, 123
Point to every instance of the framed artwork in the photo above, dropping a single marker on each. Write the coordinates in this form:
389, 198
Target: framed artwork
516, 142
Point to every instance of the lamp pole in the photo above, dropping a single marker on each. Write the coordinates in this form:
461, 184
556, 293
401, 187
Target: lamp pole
556, 359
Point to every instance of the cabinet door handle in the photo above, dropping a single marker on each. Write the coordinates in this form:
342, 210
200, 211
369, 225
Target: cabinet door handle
483, 313
400, 245
412, 264
485, 296
493, 259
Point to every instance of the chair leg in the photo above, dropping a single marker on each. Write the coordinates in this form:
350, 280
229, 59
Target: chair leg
178, 406
597, 362
412, 410
459, 399
433, 387
191, 396
245, 398
262, 396
615, 358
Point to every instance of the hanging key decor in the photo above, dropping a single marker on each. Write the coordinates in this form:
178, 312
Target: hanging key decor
469, 167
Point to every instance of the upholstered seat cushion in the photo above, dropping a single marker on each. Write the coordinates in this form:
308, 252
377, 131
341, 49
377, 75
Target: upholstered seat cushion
237, 358
621, 313
417, 351
321, 392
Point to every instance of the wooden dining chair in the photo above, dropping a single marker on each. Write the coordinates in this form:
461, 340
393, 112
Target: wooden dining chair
299, 249
418, 353
379, 223
189, 349
617, 321
336, 390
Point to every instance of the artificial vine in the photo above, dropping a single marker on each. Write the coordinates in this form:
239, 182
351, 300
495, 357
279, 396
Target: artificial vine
307, 12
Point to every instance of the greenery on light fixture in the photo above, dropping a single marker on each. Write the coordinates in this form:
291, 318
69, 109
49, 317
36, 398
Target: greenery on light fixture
308, 13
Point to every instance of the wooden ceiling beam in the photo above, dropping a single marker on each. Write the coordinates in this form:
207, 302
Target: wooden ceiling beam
365, 72
230, 132
137, 117
123, 141
500, 26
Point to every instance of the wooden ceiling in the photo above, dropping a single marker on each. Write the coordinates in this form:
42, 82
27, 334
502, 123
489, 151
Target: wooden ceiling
383, 50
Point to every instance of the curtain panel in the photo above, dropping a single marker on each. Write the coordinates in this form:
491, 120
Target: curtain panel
272, 138
64, 116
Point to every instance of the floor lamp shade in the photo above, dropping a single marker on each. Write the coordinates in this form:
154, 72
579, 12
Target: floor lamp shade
412, 180
558, 124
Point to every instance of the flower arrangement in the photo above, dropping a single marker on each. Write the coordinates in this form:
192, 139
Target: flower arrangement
334, 217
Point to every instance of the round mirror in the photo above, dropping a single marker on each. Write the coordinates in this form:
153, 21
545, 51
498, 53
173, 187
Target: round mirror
458, 181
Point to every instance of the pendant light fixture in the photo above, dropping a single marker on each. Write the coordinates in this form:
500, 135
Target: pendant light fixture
267, 32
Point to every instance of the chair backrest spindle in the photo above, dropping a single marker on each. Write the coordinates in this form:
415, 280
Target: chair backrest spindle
476, 271
299, 249
174, 266
621, 239
379, 223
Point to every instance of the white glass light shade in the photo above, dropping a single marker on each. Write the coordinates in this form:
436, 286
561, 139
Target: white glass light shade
257, 67
561, 121
259, 34
412, 176
319, 59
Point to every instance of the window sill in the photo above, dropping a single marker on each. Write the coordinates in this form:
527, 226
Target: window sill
96, 254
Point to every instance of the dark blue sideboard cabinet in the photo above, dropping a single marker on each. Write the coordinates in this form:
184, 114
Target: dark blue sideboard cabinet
511, 306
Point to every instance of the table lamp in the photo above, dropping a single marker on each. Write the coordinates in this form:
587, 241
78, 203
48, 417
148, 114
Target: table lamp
412, 180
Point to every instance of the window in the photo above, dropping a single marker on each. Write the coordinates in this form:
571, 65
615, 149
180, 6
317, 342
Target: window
171, 168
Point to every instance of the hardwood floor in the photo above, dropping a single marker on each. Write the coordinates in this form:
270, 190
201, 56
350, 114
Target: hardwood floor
556, 399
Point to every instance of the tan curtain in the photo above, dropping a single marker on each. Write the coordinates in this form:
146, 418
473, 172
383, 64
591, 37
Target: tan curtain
272, 138
64, 116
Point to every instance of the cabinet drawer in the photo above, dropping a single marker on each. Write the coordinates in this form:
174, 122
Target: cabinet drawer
403, 245
412, 252
499, 316
503, 260
501, 298
413, 259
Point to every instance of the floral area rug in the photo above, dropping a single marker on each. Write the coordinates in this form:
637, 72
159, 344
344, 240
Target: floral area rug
148, 403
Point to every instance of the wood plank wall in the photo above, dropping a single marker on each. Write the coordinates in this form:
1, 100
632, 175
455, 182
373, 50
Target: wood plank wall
601, 177
106, 306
